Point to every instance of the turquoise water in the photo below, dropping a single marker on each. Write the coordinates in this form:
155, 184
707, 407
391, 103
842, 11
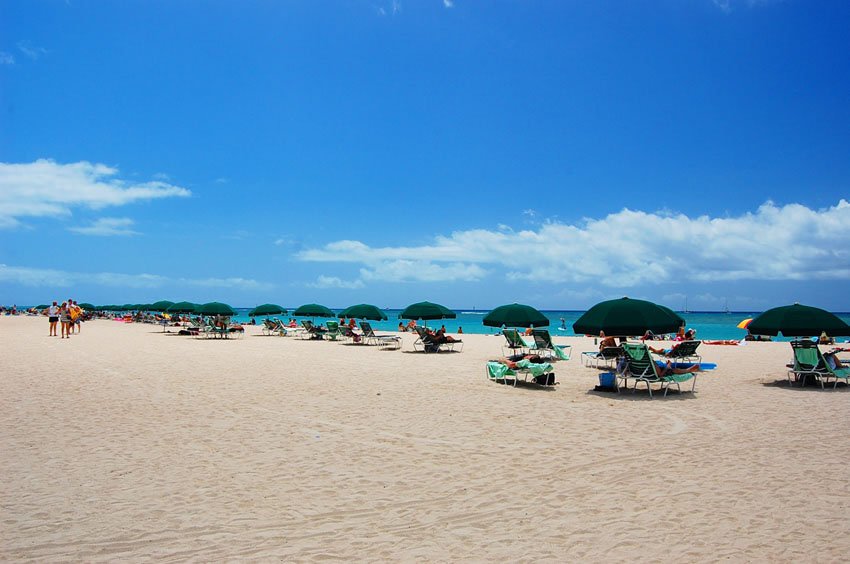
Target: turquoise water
709, 325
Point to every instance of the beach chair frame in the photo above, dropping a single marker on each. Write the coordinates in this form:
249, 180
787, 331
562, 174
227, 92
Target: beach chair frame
809, 361
638, 365
543, 344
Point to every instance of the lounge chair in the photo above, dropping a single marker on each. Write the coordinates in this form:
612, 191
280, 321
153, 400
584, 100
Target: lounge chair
684, 351
543, 344
605, 358
638, 365
427, 343
515, 343
333, 333
312, 331
810, 362
370, 338
530, 372
274, 327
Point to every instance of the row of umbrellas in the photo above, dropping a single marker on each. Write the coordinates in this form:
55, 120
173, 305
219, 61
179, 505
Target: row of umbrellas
622, 316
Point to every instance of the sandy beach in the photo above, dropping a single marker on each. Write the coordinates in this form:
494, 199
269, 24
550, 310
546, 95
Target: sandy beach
126, 443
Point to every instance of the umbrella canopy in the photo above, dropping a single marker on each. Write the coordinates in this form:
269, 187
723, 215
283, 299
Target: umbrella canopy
215, 308
266, 309
87, 306
182, 307
313, 310
364, 311
745, 323
626, 316
427, 310
515, 315
42, 306
160, 306
798, 321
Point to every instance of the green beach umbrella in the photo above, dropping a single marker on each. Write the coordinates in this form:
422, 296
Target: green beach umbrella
313, 310
161, 306
215, 308
798, 321
426, 311
515, 315
266, 309
42, 306
364, 311
625, 317
182, 307
87, 306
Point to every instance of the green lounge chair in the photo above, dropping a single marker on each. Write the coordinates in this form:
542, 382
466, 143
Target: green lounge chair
638, 365
333, 333
530, 372
684, 351
515, 343
810, 362
543, 344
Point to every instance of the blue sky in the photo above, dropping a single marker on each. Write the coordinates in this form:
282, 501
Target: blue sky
474, 153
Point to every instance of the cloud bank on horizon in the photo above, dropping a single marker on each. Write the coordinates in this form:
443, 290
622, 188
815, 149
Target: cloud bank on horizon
625, 249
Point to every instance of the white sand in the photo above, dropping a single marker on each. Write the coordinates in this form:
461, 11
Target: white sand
124, 443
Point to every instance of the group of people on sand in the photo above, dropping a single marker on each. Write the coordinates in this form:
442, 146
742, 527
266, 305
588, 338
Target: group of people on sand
68, 316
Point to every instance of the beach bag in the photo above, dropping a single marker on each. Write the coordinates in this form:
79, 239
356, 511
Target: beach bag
545, 379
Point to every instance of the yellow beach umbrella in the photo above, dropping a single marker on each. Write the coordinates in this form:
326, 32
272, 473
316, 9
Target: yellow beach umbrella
745, 323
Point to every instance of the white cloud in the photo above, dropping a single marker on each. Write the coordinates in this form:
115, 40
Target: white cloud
448, 3
107, 227
6, 58
334, 282
27, 276
625, 249
45, 188
32, 51
221, 180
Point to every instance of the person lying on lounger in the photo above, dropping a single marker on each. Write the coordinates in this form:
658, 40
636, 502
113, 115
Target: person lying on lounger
725, 342
666, 369
439, 337
511, 361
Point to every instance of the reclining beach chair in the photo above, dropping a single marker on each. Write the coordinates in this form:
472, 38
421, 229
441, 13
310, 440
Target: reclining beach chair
371, 338
427, 343
685, 351
333, 332
543, 344
515, 343
311, 331
530, 372
606, 358
810, 362
638, 365
274, 327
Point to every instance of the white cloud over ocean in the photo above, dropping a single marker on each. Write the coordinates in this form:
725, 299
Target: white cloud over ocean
624, 249
54, 278
45, 188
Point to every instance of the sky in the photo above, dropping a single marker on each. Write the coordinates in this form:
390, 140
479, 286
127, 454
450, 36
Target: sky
556, 153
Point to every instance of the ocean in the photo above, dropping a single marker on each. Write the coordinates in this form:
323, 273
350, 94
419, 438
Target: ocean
709, 325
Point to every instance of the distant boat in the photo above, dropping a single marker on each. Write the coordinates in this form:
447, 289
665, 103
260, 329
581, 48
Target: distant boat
686, 306
726, 307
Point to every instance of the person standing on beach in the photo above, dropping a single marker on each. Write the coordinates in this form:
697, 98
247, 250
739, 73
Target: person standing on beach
53, 318
76, 315
65, 320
